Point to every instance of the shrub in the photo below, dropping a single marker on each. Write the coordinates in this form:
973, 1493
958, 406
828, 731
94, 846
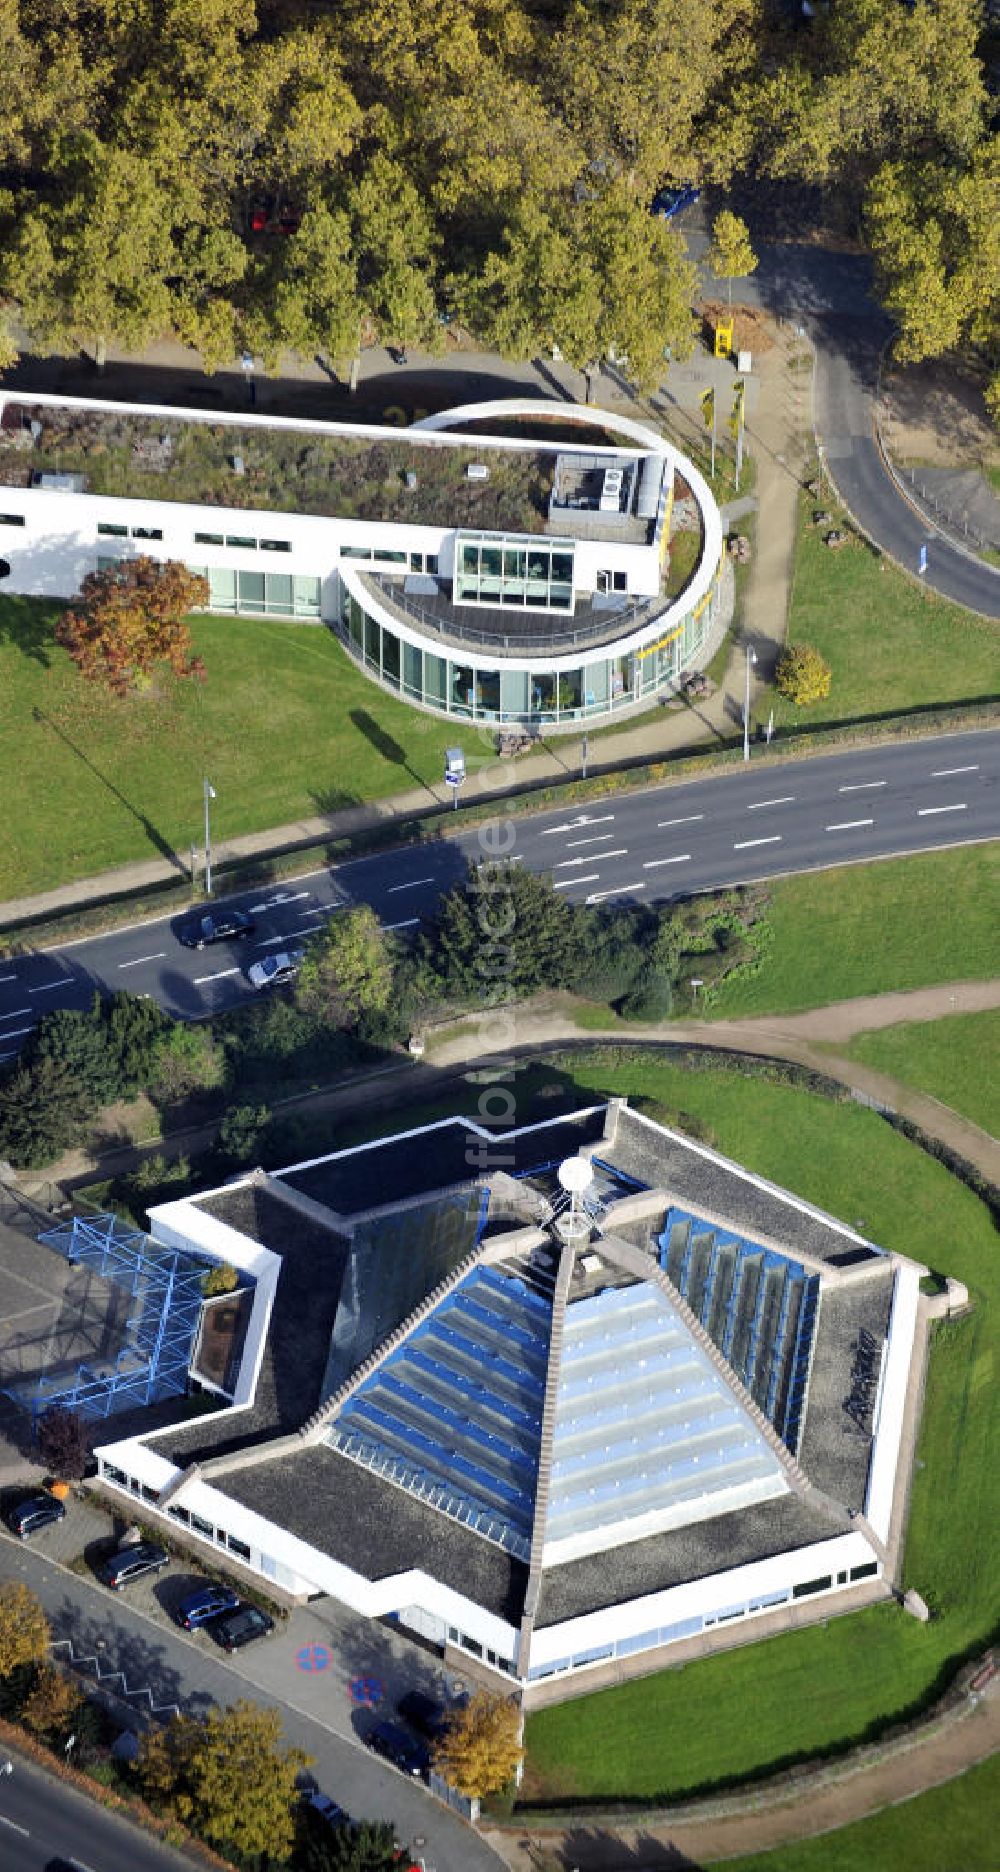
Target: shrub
62, 1443
241, 1130
802, 674
221, 1279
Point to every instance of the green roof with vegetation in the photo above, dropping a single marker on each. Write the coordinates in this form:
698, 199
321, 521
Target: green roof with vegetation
309, 471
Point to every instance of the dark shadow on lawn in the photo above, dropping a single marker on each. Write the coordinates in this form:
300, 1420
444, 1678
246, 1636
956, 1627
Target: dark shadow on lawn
153, 834
383, 743
29, 626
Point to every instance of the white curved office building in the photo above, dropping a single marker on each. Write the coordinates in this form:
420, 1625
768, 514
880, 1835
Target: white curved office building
521, 562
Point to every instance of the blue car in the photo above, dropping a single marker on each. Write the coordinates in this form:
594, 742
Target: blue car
205, 1603
673, 201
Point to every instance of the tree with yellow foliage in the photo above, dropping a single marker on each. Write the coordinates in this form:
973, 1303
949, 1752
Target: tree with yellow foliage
480, 1750
802, 675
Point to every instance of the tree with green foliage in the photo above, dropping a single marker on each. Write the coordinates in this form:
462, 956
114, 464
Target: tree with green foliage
802, 675
347, 971
135, 1029
63, 1443
188, 1059
24, 1629
43, 1109
368, 1846
241, 1130
78, 1039
480, 1749
228, 1776
504, 932
731, 255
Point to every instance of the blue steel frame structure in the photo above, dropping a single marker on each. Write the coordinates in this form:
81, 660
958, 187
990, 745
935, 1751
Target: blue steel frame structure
153, 1363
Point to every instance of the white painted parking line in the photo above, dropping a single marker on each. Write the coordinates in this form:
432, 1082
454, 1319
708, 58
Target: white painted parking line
414, 882
653, 864
758, 805
199, 980
943, 773
599, 896
690, 820
12, 1013
568, 883
621, 851
861, 786
925, 812
573, 825
409, 924
599, 838
745, 844
848, 825
157, 956
50, 987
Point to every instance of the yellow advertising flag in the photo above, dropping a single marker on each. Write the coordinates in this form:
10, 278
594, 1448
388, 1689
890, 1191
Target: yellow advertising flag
708, 408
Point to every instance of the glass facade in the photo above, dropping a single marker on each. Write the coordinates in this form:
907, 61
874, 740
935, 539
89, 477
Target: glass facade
444, 682
527, 574
262, 594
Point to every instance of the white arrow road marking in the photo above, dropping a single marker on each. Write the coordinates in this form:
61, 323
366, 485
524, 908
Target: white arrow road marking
573, 825
565, 863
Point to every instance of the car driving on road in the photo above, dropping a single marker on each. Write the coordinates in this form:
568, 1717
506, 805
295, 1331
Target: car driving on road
36, 1511
216, 926
132, 1563
275, 969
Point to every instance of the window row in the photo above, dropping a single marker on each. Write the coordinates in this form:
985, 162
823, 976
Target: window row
262, 594
513, 573
508, 694
244, 541
109, 529
381, 555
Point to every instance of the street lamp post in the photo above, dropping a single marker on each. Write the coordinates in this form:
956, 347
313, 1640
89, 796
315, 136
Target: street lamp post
751, 658
209, 791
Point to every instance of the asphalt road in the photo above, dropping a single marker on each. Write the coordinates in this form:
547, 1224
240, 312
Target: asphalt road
183, 1672
758, 821
44, 1824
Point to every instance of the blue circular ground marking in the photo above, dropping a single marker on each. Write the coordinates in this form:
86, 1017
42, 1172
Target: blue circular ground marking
367, 1692
313, 1657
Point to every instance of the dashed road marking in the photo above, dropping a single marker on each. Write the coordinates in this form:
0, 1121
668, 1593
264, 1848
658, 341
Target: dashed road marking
565, 863
567, 883
861, 786
926, 812
409, 924
573, 825
689, 820
200, 980
745, 844
599, 838
157, 956
64, 981
942, 773
599, 896
758, 805
848, 825
413, 884
12, 1013
652, 864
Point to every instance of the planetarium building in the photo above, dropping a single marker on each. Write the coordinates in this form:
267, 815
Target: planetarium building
522, 563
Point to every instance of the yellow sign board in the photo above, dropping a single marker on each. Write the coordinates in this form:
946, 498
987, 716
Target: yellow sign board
724, 339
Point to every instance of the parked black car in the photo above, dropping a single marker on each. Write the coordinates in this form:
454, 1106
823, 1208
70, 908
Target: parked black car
235, 1629
131, 1563
36, 1511
396, 1745
218, 926
423, 1713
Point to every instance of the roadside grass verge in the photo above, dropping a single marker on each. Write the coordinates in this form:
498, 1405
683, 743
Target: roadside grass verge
745, 1713
949, 1826
284, 726
956, 1060
890, 642
874, 928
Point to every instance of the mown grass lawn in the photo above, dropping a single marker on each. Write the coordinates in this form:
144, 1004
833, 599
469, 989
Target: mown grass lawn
869, 929
284, 726
741, 1714
952, 1828
891, 643
956, 1059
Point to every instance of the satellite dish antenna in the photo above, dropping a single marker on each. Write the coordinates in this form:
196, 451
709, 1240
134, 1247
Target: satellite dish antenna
574, 1219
